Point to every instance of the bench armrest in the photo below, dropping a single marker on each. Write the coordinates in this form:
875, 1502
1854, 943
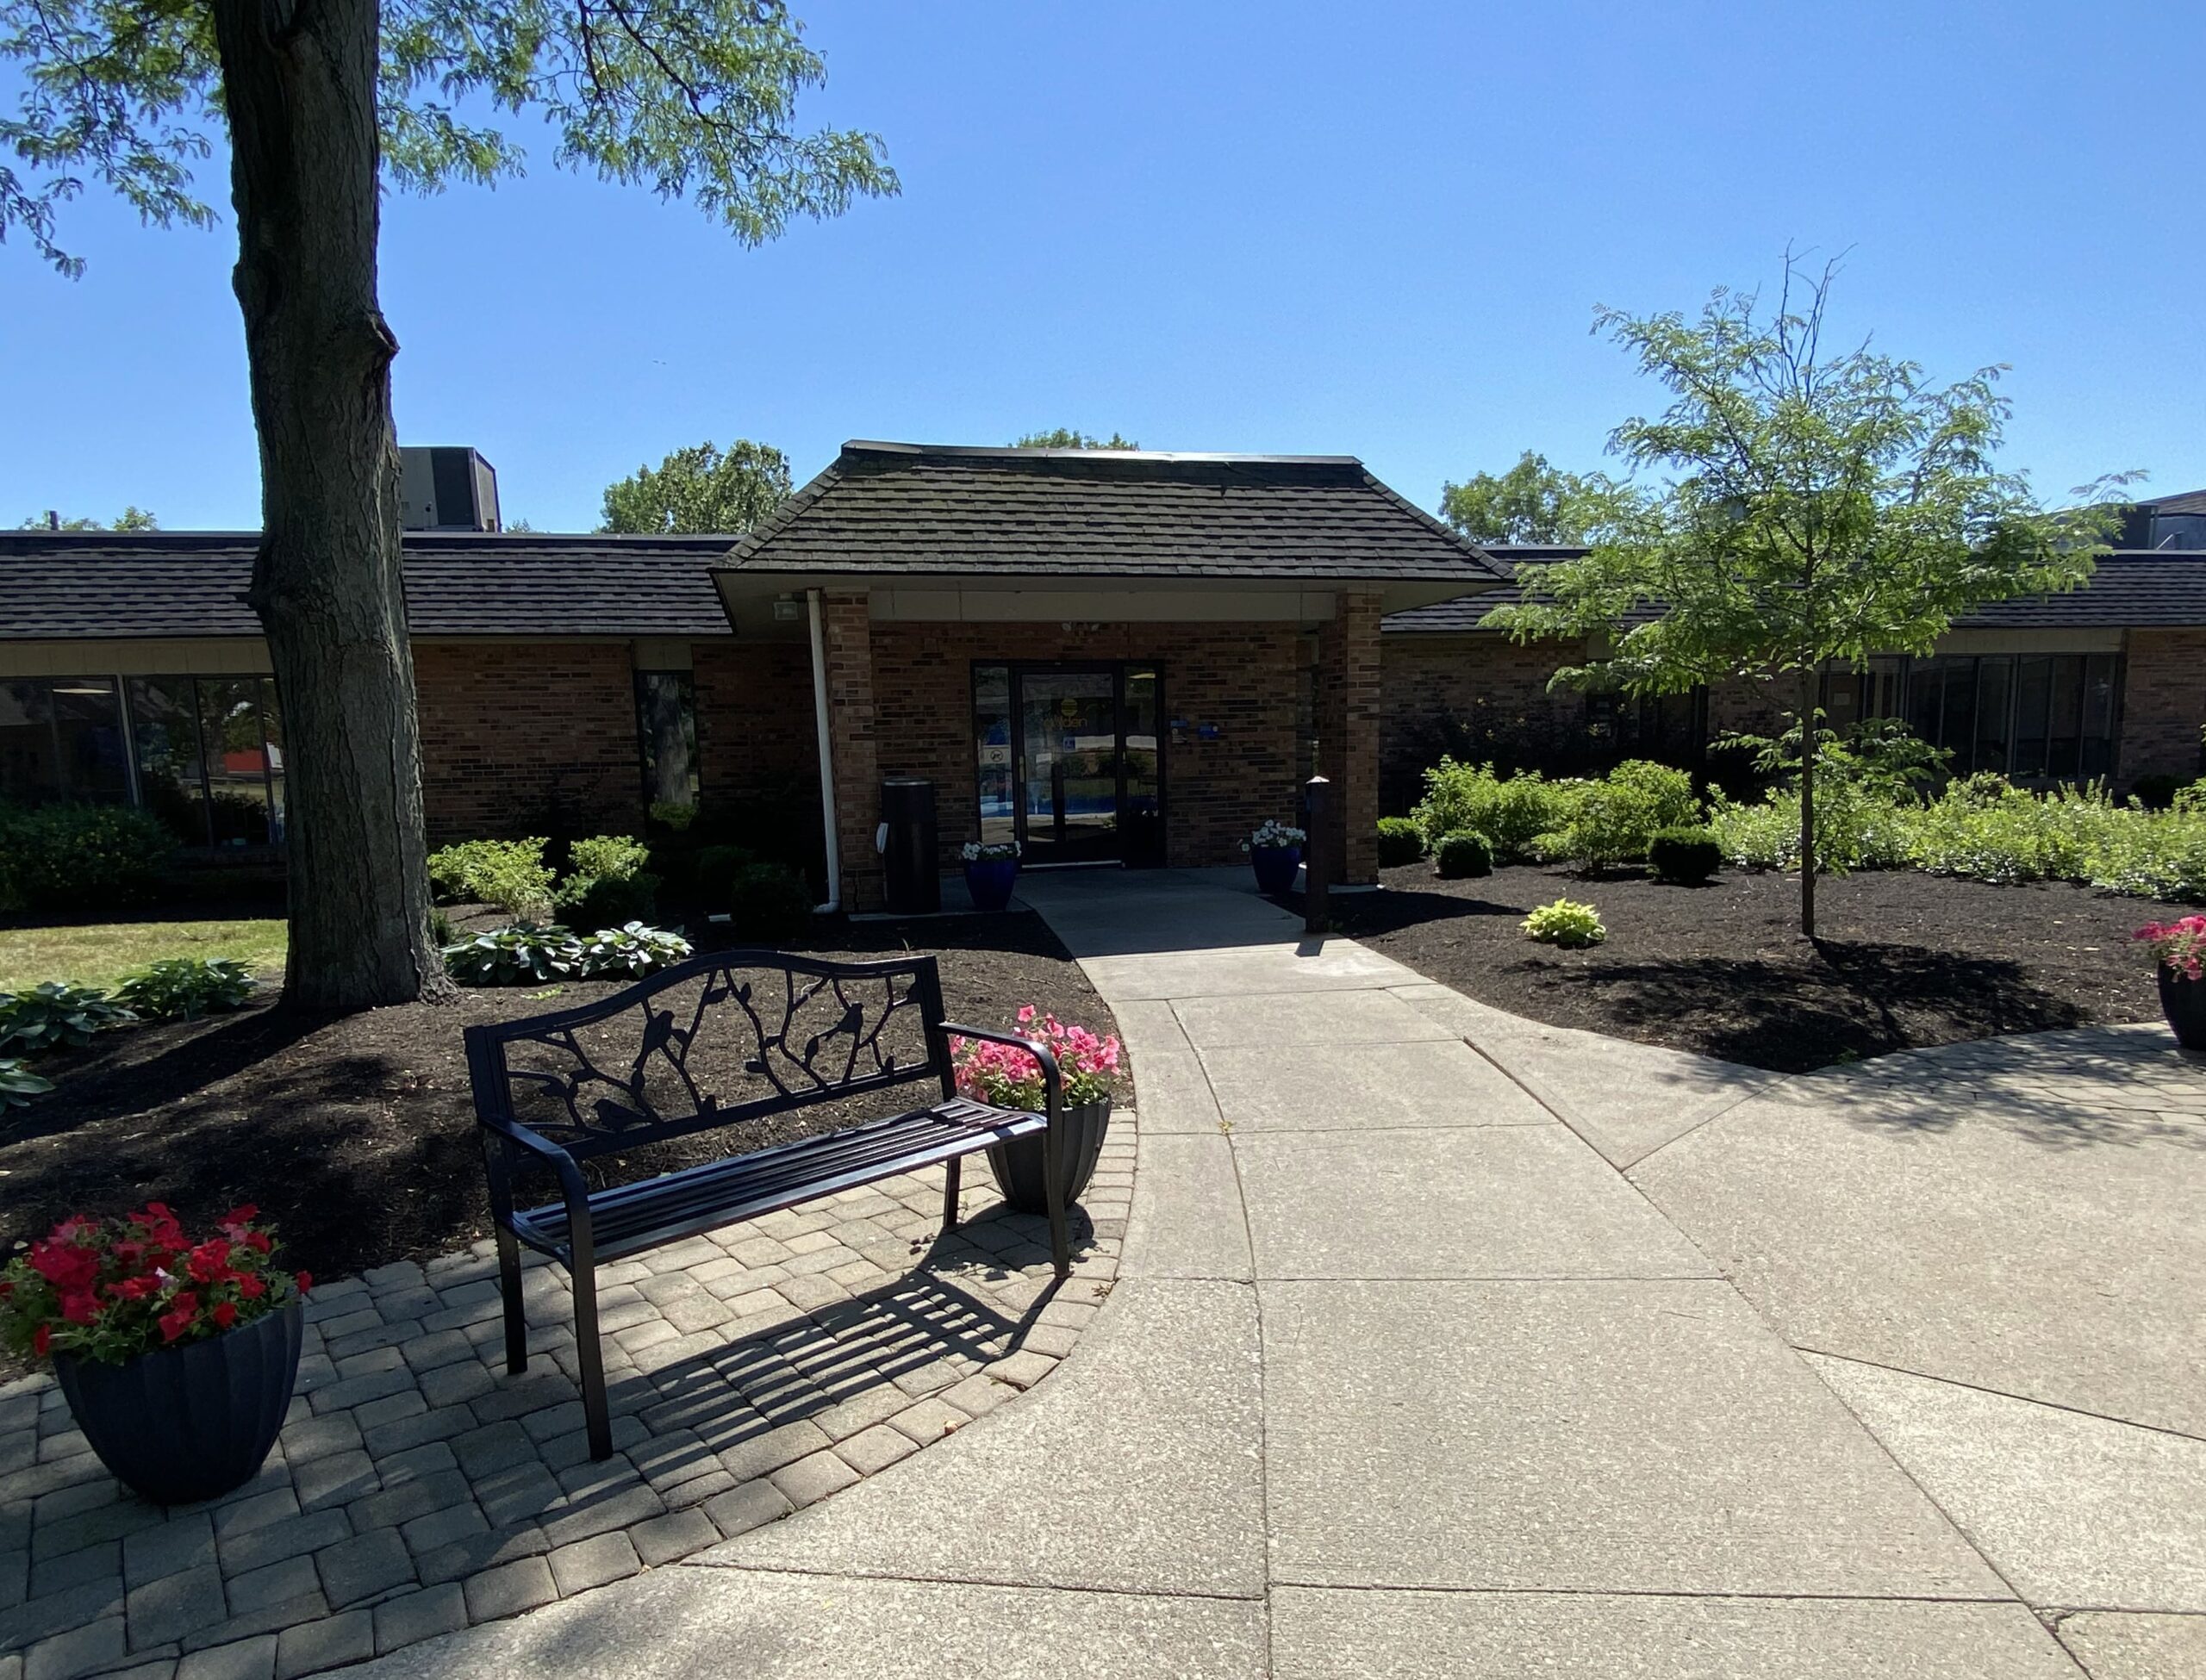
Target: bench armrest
517, 1136
1053, 1085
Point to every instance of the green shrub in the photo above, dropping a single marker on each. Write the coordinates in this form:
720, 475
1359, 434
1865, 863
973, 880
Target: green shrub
2156, 792
18, 1085
1599, 824
187, 987
631, 952
607, 857
53, 1013
611, 884
1461, 855
714, 871
1511, 812
510, 873
770, 903
675, 818
79, 857
1565, 922
1400, 841
1683, 856
523, 953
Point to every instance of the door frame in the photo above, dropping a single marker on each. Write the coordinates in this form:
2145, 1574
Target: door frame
1018, 671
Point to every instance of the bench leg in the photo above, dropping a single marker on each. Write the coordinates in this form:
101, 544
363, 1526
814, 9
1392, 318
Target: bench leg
1060, 1237
952, 1178
591, 1357
510, 1289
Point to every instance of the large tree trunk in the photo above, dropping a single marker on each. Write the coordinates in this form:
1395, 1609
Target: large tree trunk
1808, 744
299, 83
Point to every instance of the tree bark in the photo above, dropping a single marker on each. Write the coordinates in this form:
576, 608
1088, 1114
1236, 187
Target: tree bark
1808, 684
299, 87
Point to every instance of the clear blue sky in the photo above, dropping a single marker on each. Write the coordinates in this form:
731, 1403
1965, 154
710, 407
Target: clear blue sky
1372, 229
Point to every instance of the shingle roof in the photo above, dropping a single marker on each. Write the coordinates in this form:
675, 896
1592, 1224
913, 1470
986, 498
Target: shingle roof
2183, 501
130, 584
912, 509
2140, 587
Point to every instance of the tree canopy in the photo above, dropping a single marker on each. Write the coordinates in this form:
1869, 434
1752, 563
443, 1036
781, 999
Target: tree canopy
700, 490
691, 98
130, 518
1819, 505
1064, 436
1531, 503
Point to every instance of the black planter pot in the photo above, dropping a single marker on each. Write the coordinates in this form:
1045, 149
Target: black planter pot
1017, 1165
182, 1424
2182, 1001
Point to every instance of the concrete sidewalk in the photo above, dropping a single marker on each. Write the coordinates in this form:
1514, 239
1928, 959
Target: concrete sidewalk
1402, 1376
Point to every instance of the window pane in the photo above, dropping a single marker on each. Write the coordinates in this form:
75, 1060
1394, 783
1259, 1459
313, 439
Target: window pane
1841, 698
666, 715
29, 769
1925, 693
236, 758
2033, 688
164, 734
1995, 682
2064, 736
1145, 812
2099, 715
271, 724
1959, 725
88, 727
991, 749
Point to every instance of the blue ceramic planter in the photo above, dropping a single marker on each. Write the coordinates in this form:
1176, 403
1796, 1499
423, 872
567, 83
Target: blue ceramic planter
1275, 867
989, 879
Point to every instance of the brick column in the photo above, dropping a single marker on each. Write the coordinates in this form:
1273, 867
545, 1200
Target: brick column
846, 627
1360, 695
2163, 706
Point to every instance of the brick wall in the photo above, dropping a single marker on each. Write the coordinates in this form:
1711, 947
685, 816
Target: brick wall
1485, 680
1238, 676
755, 730
527, 738
2163, 704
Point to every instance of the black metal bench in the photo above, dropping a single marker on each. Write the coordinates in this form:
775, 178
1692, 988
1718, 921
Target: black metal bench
718, 1041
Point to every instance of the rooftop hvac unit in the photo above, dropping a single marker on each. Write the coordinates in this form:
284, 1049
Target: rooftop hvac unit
447, 489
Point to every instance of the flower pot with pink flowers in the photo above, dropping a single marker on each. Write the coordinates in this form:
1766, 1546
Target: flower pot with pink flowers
2180, 948
1008, 1077
176, 1357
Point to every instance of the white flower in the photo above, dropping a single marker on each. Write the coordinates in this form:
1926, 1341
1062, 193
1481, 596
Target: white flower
1272, 833
989, 851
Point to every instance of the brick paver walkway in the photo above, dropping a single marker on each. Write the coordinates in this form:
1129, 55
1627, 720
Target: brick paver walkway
418, 1488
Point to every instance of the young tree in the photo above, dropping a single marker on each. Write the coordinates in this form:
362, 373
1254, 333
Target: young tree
700, 490
1531, 503
1823, 506
323, 103
1063, 437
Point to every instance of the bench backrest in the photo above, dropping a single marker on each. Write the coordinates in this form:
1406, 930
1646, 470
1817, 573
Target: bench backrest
722, 1038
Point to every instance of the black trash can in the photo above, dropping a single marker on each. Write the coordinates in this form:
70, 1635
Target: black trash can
914, 879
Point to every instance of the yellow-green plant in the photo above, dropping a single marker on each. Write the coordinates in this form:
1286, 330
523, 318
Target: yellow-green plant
1565, 922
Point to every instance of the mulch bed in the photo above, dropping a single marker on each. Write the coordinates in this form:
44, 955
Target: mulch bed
1902, 959
355, 1133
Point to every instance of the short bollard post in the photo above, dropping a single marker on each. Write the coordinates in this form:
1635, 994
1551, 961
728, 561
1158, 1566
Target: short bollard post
1315, 874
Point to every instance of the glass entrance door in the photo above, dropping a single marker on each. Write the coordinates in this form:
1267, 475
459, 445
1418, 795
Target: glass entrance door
1071, 762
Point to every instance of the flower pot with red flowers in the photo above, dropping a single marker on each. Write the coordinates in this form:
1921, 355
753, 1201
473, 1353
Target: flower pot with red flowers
1008, 1077
2180, 946
1276, 852
177, 1356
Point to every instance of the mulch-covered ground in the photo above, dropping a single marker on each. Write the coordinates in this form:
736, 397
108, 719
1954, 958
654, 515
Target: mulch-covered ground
1902, 959
355, 1133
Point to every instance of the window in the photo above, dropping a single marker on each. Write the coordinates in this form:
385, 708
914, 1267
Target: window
991, 749
2031, 716
61, 738
210, 757
666, 720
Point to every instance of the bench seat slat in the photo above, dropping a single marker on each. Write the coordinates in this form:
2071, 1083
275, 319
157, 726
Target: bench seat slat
630, 1218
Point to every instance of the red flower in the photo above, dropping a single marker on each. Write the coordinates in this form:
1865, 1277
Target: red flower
63, 1265
223, 1314
250, 1286
210, 1261
258, 1242
243, 1213
305, 1281
174, 1323
42, 1340
80, 1306
134, 1289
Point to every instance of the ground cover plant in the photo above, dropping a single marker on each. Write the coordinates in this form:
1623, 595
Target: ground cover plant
105, 954
187, 987
1565, 922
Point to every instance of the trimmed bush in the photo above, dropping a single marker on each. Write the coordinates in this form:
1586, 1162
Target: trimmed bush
1683, 856
1600, 824
510, 873
186, 987
79, 857
1565, 922
769, 903
1400, 841
53, 1013
1511, 812
1461, 855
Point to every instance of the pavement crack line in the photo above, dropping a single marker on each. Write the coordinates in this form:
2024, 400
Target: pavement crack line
731, 1567
2000, 1394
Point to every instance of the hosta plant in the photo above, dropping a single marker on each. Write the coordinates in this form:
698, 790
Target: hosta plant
633, 950
52, 1013
187, 987
110, 1290
1565, 922
523, 953
2179, 946
1008, 1077
18, 1085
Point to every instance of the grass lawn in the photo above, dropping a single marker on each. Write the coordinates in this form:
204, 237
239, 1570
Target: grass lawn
102, 953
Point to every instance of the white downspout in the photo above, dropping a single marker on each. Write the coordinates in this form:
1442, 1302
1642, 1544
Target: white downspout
826, 758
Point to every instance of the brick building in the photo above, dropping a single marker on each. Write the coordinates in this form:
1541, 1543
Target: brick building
1129, 657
